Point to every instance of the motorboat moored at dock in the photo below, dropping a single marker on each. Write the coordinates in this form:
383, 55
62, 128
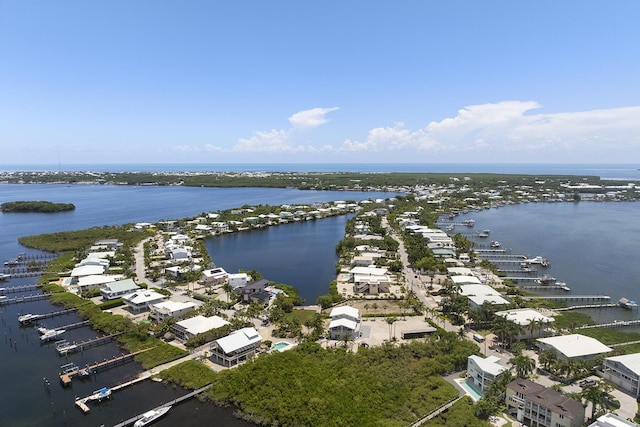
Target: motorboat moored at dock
150, 416
27, 318
628, 304
52, 334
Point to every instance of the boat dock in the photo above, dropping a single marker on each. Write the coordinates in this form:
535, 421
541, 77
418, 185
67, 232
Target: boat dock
27, 298
64, 347
578, 307
67, 375
37, 317
74, 325
572, 298
544, 287
173, 402
15, 289
615, 324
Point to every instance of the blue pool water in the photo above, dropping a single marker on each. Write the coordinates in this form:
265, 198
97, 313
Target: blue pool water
470, 390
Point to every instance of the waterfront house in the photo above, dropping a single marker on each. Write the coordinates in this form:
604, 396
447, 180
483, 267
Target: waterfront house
535, 405
96, 281
213, 276
189, 328
344, 320
86, 270
170, 309
237, 280
119, 288
142, 300
479, 294
532, 321
574, 346
482, 371
624, 372
236, 347
256, 291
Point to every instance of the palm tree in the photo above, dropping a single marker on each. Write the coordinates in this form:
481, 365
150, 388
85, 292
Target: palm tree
548, 357
390, 322
524, 365
346, 339
597, 395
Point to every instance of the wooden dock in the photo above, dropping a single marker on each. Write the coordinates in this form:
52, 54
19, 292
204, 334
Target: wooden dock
572, 297
15, 289
66, 377
578, 307
172, 403
617, 324
38, 317
63, 347
27, 298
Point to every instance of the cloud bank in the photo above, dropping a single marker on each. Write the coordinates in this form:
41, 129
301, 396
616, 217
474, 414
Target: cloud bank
507, 130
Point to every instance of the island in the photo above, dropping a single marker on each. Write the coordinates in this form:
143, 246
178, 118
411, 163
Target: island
36, 206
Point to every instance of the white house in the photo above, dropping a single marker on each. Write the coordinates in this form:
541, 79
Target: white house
118, 289
142, 300
624, 372
238, 280
189, 328
235, 347
482, 371
370, 280
344, 320
170, 309
525, 317
479, 294
574, 346
213, 276
96, 281
86, 270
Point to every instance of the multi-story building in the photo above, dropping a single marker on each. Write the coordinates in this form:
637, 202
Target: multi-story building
535, 405
482, 371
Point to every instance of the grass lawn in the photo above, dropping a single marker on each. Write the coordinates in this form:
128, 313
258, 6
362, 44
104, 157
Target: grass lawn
301, 315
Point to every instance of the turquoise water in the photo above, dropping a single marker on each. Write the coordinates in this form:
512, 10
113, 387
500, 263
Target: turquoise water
470, 390
280, 346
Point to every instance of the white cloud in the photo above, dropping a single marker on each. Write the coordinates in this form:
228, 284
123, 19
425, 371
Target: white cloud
508, 127
283, 140
310, 118
186, 148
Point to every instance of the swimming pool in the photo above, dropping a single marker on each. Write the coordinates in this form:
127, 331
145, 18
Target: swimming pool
280, 346
470, 391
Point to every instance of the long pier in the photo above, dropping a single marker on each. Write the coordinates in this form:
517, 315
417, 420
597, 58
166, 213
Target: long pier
66, 377
73, 325
578, 307
171, 403
15, 289
38, 317
63, 347
618, 324
572, 297
27, 298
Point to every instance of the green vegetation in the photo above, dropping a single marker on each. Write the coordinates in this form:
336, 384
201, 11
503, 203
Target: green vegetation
40, 207
570, 320
332, 298
611, 336
66, 241
190, 375
462, 413
392, 385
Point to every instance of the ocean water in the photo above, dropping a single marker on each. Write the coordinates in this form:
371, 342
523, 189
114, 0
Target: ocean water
605, 171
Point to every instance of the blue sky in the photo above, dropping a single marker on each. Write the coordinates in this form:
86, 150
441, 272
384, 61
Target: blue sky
319, 81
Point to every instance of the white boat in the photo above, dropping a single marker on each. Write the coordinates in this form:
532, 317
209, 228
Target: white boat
628, 304
494, 244
469, 222
538, 260
27, 318
4, 276
52, 334
42, 330
150, 416
563, 286
483, 234
99, 395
